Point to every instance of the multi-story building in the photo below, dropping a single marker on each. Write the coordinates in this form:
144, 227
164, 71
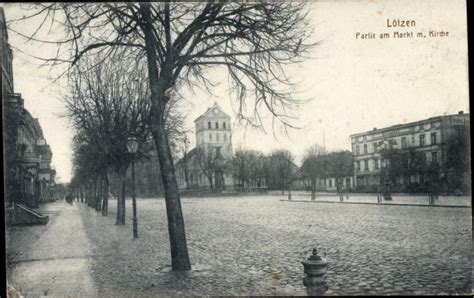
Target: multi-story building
428, 138
208, 163
28, 172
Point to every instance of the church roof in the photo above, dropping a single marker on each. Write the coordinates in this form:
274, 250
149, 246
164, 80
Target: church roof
209, 110
189, 156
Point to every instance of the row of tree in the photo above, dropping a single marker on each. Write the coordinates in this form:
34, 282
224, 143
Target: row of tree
278, 169
109, 108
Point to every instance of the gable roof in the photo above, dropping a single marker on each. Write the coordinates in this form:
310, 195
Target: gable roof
190, 155
209, 111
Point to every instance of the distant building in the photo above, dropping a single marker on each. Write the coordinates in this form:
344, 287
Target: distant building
28, 172
429, 139
208, 165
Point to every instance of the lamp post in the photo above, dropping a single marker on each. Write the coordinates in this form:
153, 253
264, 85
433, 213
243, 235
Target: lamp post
132, 148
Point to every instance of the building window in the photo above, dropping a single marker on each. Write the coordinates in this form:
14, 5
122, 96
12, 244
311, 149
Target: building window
225, 137
330, 183
357, 150
223, 125
217, 137
209, 125
433, 138
358, 166
404, 142
434, 157
375, 147
376, 164
217, 125
210, 136
366, 165
422, 140
365, 148
413, 140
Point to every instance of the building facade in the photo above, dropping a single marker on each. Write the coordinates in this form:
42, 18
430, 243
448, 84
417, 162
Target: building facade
28, 174
208, 165
424, 143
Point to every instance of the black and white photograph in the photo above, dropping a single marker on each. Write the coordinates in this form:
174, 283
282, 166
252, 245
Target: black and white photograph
236, 148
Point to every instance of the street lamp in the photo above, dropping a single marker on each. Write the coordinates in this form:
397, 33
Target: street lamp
132, 148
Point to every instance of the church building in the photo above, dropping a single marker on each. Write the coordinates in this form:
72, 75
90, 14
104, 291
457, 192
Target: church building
208, 165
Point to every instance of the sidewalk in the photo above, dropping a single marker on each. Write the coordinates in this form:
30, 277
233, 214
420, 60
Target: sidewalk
371, 199
370, 203
57, 263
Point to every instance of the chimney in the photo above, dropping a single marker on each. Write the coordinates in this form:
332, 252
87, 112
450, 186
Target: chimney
461, 112
375, 128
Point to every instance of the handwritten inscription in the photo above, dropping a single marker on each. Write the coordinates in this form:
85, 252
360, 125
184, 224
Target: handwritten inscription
398, 25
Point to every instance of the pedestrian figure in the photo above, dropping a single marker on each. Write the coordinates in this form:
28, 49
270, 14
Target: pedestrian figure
69, 198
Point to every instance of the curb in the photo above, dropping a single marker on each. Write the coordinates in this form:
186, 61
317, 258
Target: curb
384, 204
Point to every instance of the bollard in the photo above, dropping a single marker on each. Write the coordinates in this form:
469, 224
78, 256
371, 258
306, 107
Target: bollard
315, 268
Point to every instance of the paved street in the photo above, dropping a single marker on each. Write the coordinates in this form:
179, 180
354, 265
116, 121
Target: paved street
252, 246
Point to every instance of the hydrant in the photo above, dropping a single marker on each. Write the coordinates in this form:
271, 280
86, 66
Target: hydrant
315, 268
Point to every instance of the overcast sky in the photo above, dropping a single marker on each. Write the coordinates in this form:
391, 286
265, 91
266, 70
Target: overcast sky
354, 84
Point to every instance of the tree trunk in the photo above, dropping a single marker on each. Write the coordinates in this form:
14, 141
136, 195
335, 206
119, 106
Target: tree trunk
105, 199
210, 181
96, 190
158, 86
100, 191
120, 221
91, 195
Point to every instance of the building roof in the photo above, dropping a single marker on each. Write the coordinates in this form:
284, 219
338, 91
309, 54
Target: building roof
191, 154
209, 111
397, 126
3, 23
33, 123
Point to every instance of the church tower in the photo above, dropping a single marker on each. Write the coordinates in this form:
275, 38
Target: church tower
213, 132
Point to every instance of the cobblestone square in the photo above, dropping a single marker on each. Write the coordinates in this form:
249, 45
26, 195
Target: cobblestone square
254, 246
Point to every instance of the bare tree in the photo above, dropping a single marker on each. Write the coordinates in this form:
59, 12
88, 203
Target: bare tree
281, 168
313, 168
181, 42
207, 161
108, 105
